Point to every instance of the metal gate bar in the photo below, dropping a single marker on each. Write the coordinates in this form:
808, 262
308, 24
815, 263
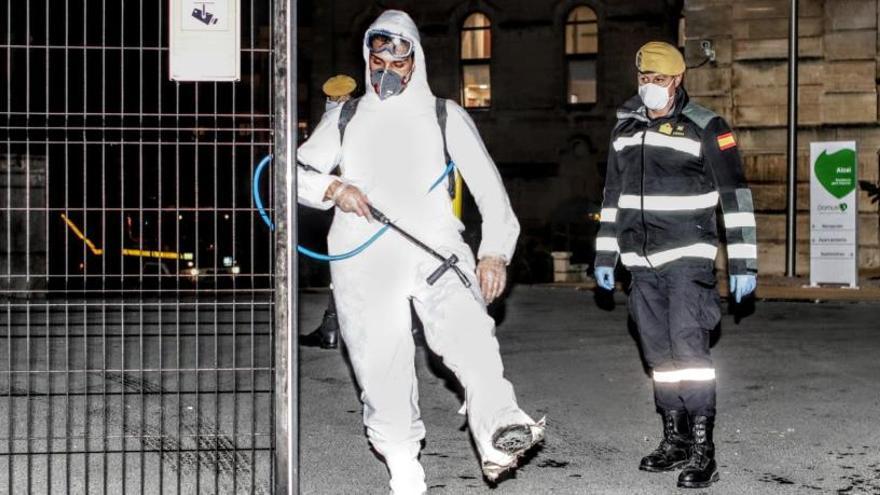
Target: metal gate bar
140, 361
286, 356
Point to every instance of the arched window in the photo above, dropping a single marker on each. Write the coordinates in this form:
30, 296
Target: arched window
476, 54
581, 47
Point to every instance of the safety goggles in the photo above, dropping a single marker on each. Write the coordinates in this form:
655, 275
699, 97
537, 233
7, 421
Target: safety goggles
397, 46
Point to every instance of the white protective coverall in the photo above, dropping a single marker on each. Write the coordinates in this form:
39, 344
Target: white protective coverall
393, 152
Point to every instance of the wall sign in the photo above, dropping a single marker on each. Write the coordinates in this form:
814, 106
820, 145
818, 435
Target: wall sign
205, 40
834, 213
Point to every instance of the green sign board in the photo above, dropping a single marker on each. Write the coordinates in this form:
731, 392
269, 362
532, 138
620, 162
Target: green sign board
833, 213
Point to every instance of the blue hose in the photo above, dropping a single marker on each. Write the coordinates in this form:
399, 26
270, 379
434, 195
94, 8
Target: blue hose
258, 201
337, 257
449, 169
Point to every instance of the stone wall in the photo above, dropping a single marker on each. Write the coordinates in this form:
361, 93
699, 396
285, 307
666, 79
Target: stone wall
837, 100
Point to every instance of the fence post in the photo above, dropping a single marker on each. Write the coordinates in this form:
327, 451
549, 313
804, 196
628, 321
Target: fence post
286, 359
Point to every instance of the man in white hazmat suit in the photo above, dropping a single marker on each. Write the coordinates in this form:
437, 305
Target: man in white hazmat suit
391, 152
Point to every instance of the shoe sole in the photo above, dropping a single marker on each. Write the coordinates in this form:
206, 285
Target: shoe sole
672, 467
704, 484
514, 440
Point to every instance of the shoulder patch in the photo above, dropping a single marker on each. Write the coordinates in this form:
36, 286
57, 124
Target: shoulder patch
699, 114
726, 141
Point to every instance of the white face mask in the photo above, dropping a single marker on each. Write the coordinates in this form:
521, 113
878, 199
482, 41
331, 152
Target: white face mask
654, 96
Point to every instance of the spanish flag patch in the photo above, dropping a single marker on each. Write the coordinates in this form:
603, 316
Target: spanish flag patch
726, 141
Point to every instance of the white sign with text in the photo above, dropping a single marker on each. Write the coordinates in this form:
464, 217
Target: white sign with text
834, 213
205, 40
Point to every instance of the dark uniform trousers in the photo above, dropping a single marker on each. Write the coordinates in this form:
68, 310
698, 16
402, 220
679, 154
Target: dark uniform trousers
675, 308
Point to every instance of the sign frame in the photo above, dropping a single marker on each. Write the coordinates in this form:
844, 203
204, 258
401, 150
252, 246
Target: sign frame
204, 40
834, 214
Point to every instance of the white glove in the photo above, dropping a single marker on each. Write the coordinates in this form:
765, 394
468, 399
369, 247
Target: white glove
492, 274
349, 199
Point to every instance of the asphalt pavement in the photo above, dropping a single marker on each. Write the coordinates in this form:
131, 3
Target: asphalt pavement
175, 397
798, 402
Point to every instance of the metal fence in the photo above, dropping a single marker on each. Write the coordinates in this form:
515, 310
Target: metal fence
137, 307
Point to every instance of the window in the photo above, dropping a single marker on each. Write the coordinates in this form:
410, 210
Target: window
476, 53
581, 47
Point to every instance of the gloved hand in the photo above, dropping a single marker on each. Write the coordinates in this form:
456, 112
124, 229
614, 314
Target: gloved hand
349, 199
605, 277
742, 285
492, 274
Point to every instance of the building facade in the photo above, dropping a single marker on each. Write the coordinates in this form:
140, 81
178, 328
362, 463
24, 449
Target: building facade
837, 101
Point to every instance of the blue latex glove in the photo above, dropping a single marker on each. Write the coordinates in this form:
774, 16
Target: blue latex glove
742, 285
605, 277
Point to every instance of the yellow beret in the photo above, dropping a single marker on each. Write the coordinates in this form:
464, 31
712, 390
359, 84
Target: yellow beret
660, 57
340, 85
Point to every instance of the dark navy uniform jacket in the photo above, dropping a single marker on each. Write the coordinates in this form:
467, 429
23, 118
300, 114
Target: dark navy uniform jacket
664, 182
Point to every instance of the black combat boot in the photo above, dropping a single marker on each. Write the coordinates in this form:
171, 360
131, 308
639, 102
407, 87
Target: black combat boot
675, 446
326, 336
701, 470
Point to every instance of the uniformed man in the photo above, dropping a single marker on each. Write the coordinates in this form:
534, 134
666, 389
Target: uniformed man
671, 161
